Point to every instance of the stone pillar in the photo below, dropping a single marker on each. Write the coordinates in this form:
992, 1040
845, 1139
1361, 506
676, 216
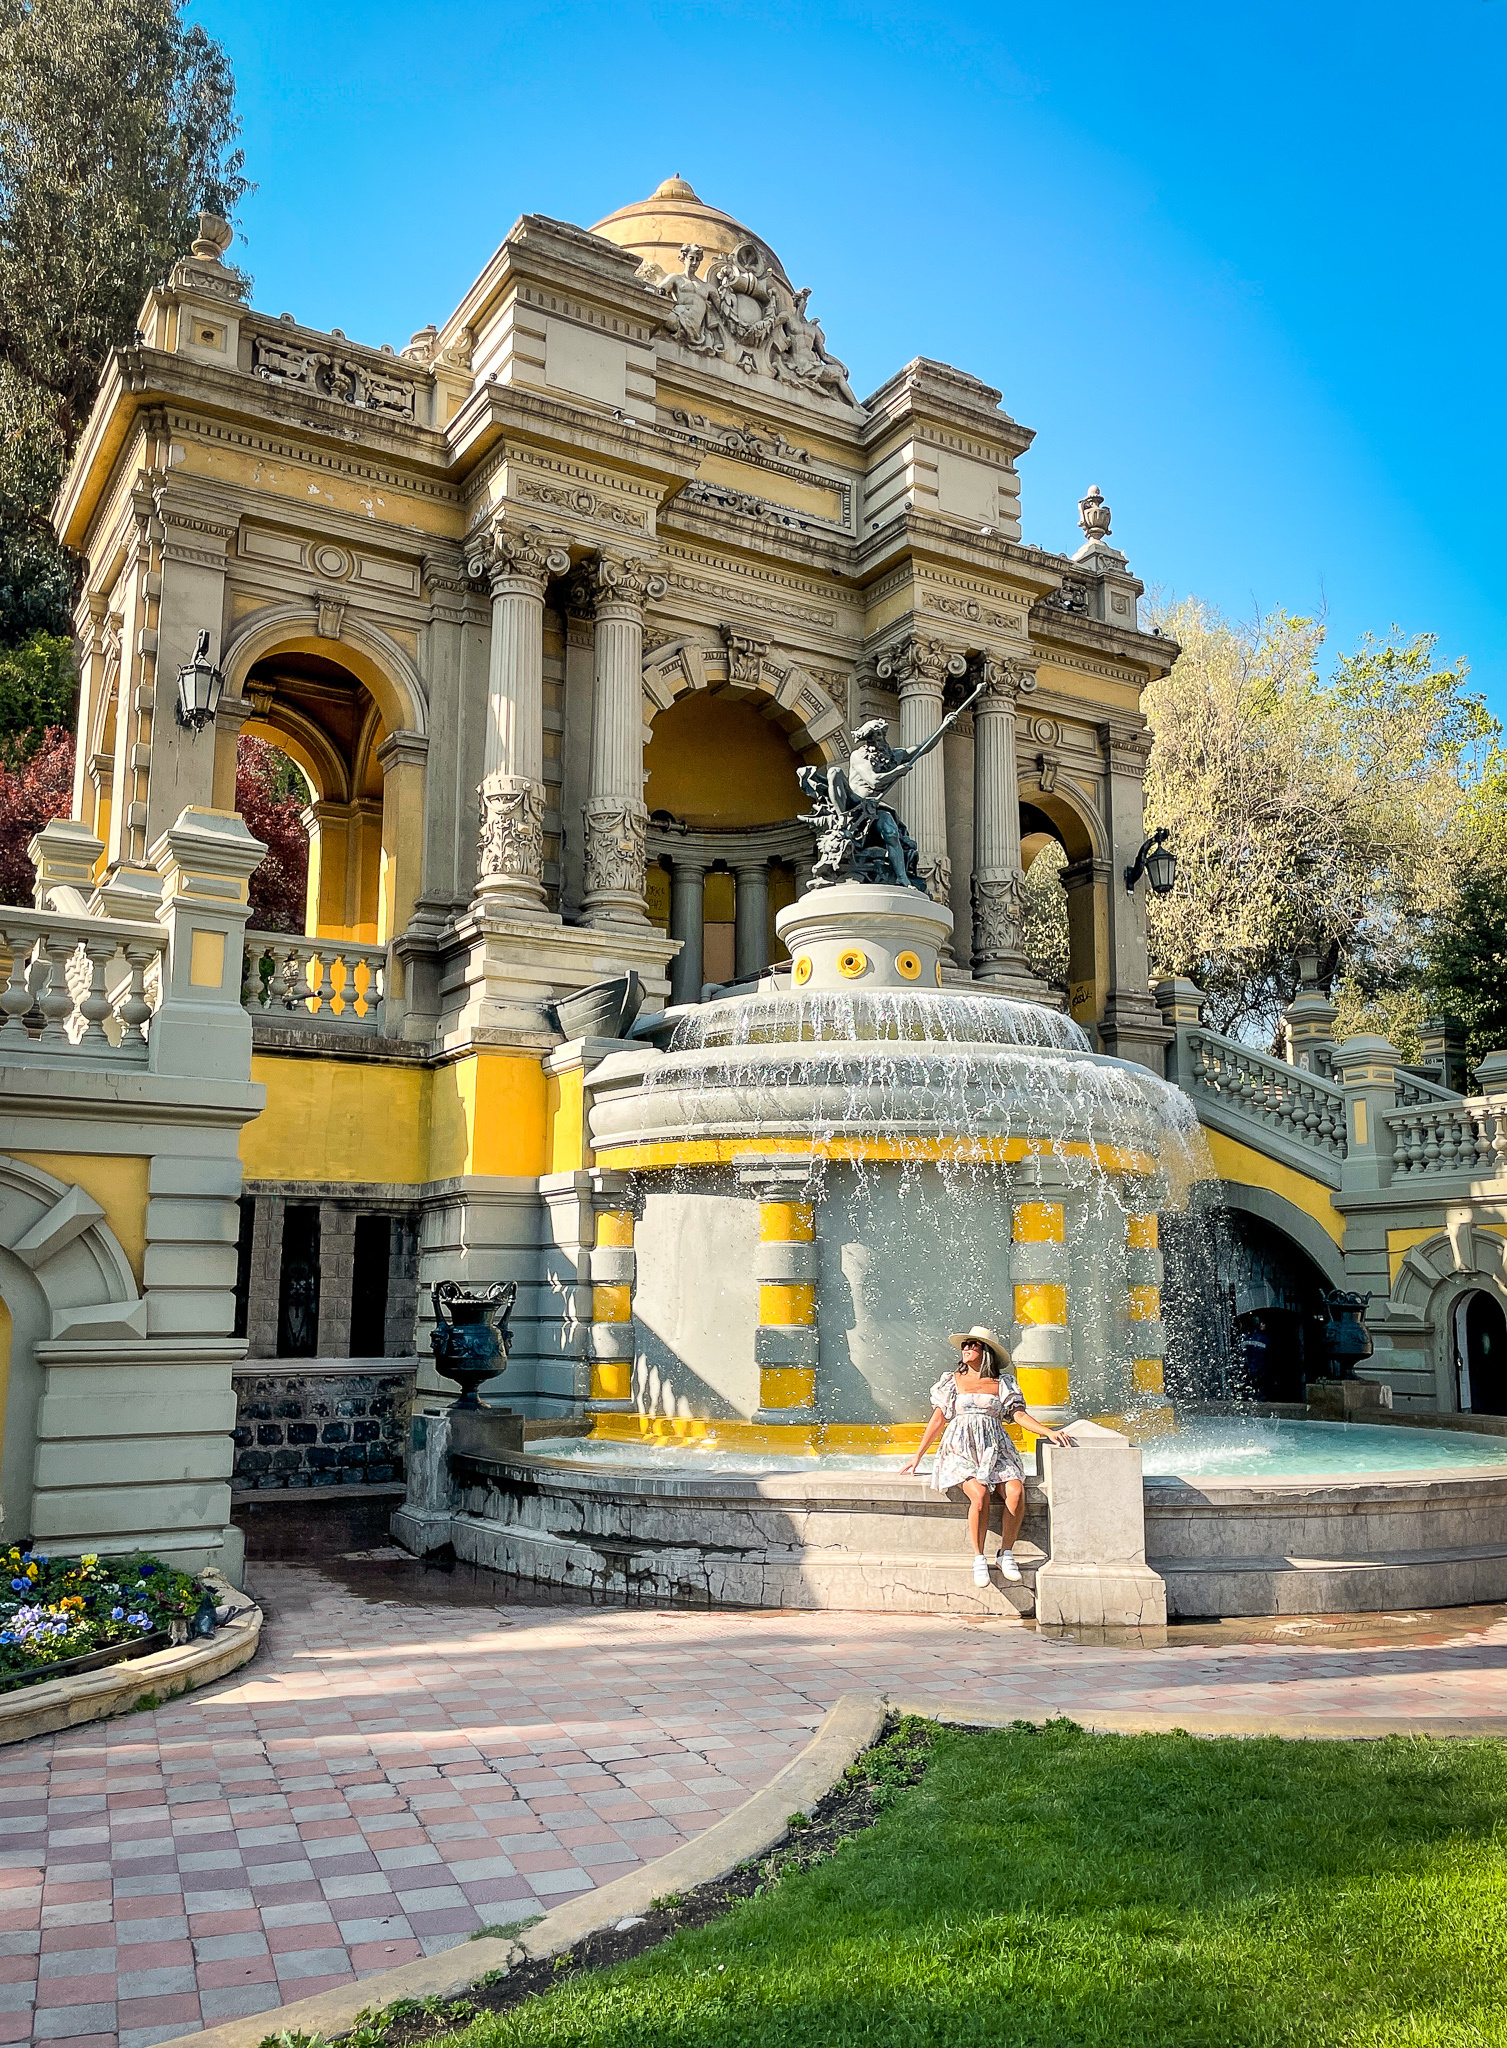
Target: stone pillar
1443, 1043
511, 878
1308, 1020
1097, 1575
921, 669
1366, 1068
613, 1266
785, 1341
1181, 1004
403, 757
201, 1028
751, 918
1087, 884
616, 816
687, 884
1143, 1313
1038, 1267
998, 881
1130, 1027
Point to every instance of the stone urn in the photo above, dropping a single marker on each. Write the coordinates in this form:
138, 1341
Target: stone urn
471, 1335
1346, 1339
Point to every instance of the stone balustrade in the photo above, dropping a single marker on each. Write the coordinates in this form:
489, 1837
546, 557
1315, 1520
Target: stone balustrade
77, 986
326, 984
1451, 1137
1299, 1105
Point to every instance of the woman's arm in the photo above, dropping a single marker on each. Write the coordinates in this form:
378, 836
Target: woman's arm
929, 1436
1053, 1436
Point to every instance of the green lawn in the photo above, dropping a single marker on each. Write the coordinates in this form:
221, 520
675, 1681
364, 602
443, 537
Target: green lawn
1136, 1891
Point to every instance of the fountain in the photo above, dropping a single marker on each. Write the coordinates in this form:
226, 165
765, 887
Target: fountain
805, 1188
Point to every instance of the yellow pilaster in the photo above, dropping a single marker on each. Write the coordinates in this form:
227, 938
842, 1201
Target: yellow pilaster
612, 1307
1041, 1302
785, 1342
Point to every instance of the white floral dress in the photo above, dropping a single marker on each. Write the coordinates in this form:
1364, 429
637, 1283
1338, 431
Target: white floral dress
974, 1444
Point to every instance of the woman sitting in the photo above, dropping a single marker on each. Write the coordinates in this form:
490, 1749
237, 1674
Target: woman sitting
972, 1405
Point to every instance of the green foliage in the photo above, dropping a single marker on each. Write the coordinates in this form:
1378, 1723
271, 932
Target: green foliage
1467, 962
1043, 918
1397, 1014
1307, 812
38, 685
117, 125
54, 1608
1056, 1889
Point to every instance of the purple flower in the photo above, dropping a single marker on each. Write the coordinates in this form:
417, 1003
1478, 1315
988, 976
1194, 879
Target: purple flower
117, 1614
139, 1620
19, 1585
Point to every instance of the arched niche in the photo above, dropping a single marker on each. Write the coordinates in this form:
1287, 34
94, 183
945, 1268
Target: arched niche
63, 1276
785, 692
1433, 1282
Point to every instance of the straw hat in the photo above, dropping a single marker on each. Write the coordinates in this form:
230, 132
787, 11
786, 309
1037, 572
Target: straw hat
979, 1335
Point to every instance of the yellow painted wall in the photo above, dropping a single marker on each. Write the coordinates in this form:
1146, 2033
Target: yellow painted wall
565, 1125
1401, 1242
345, 1120
119, 1185
1236, 1162
714, 762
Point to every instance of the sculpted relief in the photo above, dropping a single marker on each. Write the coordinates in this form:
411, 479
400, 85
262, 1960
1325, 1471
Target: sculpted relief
743, 312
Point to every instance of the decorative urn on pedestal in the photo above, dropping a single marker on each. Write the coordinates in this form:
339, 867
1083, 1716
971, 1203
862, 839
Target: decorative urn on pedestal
466, 1344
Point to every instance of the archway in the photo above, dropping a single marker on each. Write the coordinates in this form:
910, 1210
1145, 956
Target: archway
1071, 933
724, 845
1480, 1330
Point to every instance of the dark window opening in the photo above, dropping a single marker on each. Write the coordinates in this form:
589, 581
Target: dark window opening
1481, 1355
243, 1264
369, 1266
298, 1290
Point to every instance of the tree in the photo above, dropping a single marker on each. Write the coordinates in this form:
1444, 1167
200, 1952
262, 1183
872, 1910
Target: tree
1306, 812
117, 126
32, 794
38, 685
270, 795
1467, 957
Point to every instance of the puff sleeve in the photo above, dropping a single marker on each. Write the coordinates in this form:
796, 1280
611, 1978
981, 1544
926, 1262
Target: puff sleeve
944, 1395
1011, 1400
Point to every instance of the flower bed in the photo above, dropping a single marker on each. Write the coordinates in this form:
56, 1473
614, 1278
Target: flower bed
60, 1613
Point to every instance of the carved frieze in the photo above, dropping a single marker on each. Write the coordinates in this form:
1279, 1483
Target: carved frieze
743, 312
512, 828
586, 504
937, 875
1071, 595
764, 444
746, 505
349, 378
975, 613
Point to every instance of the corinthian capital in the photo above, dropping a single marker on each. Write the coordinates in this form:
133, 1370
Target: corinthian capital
626, 580
917, 663
1003, 679
519, 554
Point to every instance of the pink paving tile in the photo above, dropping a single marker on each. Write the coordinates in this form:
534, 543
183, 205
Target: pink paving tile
237, 1970
367, 1956
18, 1969
239, 1920
172, 2006
79, 1990
15, 2026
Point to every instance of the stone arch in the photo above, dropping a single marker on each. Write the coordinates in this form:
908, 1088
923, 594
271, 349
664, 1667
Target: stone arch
1433, 1279
795, 700
1310, 1236
285, 728
371, 655
63, 1276
1073, 818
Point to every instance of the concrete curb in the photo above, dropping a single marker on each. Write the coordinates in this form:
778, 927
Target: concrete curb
960, 1713
116, 1688
752, 1829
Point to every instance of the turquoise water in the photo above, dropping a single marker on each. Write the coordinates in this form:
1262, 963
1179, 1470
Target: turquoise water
1204, 1447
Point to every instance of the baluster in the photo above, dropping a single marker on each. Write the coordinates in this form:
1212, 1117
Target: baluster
96, 1008
251, 978
324, 989
1430, 1144
1408, 1157
16, 1001
1499, 1138
1480, 1147
358, 996
135, 1010
283, 978
54, 996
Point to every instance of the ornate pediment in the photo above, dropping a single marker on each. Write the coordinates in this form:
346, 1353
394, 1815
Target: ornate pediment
744, 313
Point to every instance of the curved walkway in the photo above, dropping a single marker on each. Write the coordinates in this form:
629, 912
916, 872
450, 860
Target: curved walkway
392, 1773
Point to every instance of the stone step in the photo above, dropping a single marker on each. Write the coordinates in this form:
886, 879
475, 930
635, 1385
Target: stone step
1265, 1584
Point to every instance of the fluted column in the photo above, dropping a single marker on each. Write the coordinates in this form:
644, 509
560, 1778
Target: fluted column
511, 863
687, 915
616, 815
921, 668
751, 918
998, 883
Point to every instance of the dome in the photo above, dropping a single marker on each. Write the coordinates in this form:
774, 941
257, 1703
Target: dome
655, 229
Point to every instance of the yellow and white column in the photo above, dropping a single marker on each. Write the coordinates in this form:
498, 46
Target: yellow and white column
613, 1267
1038, 1267
785, 1341
1143, 1315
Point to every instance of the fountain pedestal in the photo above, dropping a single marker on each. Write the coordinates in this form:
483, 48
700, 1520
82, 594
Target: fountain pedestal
1097, 1575
863, 935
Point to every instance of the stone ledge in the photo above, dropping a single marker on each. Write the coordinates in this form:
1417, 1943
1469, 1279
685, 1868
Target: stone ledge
851, 1726
116, 1688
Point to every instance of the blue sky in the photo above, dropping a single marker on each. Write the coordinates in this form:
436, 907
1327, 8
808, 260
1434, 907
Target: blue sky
1242, 266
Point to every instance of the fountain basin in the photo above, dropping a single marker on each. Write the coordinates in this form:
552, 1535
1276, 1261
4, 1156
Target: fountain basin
622, 1525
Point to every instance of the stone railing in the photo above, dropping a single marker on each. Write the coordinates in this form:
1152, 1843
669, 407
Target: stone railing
1453, 1137
77, 987
326, 984
1416, 1089
1249, 1085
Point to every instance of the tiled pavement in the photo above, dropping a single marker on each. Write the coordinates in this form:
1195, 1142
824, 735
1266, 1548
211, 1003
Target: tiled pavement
386, 1777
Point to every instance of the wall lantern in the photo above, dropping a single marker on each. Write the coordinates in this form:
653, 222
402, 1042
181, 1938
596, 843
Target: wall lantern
200, 688
1157, 862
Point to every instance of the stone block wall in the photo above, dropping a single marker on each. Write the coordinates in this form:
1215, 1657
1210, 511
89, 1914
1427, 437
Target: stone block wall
321, 1423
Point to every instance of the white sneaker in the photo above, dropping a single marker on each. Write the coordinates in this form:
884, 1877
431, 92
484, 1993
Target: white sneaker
981, 1570
1008, 1568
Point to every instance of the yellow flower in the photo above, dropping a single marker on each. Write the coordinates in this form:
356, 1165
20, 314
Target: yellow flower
89, 1560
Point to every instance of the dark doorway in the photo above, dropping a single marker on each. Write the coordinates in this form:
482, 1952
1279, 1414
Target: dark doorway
298, 1287
369, 1264
1481, 1354
243, 1265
